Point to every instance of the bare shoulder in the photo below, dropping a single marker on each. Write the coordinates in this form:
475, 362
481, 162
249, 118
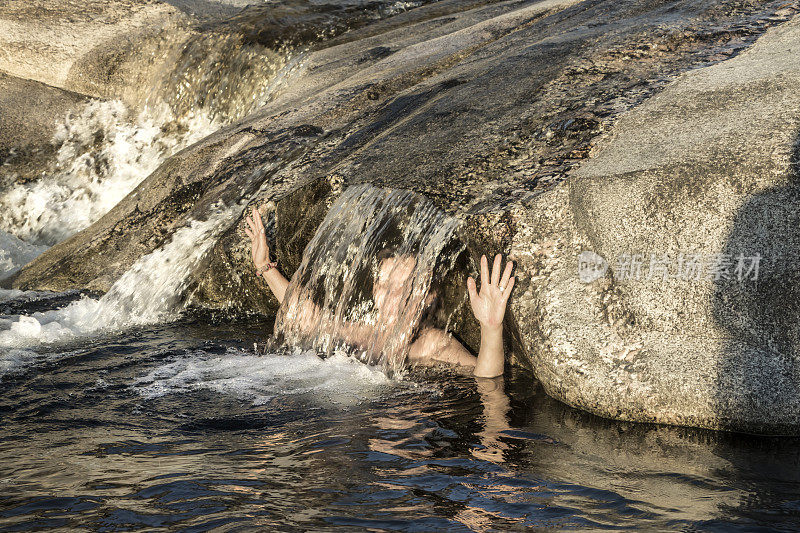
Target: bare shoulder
426, 342
436, 335
434, 344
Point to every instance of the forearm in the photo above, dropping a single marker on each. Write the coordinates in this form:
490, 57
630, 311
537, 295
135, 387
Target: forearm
308, 316
277, 283
490, 358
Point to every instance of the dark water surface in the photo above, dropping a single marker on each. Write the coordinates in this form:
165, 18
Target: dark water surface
184, 427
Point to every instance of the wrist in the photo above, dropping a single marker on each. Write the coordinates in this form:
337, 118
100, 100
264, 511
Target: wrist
271, 273
491, 358
261, 270
491, 329
491, 339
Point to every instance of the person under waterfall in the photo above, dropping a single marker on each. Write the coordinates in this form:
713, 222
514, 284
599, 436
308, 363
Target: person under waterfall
432, 344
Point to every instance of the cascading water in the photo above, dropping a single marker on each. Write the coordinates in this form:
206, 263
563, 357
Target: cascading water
149, 292
365, 279
223, 79
106, 149
103, 153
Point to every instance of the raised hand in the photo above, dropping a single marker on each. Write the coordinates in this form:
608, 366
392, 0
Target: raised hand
258, 238
489, 306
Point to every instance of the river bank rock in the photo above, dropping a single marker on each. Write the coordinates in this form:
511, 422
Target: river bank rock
485, 108
707, 167
97, 48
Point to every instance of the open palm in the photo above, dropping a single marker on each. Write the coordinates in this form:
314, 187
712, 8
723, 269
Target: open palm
258, 238
489, 306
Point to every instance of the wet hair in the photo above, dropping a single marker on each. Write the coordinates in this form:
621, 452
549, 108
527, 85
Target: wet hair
391, 243
447, 293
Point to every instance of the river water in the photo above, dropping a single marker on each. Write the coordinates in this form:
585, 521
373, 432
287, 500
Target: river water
185, 427
123, 412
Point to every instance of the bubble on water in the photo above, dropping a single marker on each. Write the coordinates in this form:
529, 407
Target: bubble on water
338, 379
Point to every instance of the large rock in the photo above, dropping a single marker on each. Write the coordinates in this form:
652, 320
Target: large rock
342, 96
98, 48
484, 108
30, 112
707, 167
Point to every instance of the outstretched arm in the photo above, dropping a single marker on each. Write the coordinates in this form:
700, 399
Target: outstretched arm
258, 238
307, 314
489, 308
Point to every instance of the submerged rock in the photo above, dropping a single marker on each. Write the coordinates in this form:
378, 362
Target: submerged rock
488, 109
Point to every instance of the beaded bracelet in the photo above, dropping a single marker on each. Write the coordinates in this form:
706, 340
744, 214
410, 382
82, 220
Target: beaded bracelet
260, 270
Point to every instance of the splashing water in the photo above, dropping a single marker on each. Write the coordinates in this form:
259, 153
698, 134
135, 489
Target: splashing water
103, 154
364, 281
15, 253
150, 291
105, 149
339, 379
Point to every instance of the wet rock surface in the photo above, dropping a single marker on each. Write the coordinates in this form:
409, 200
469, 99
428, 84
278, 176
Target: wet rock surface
488, 109
96, 48
30, 111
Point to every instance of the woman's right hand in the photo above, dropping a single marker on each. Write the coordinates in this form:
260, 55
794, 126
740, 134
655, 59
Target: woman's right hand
258, 238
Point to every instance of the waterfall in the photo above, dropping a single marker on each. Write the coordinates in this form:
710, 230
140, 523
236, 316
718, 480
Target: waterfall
366, 276
105, 149
149, 292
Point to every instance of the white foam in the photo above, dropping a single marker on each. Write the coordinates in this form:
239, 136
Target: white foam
15, 360
15, 253
103, 153
338, 379
150, 291
18, 359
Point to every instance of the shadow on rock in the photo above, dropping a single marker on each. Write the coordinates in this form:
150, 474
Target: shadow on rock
756, 300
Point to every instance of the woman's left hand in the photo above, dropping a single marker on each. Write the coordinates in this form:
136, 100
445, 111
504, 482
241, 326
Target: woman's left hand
489, 306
